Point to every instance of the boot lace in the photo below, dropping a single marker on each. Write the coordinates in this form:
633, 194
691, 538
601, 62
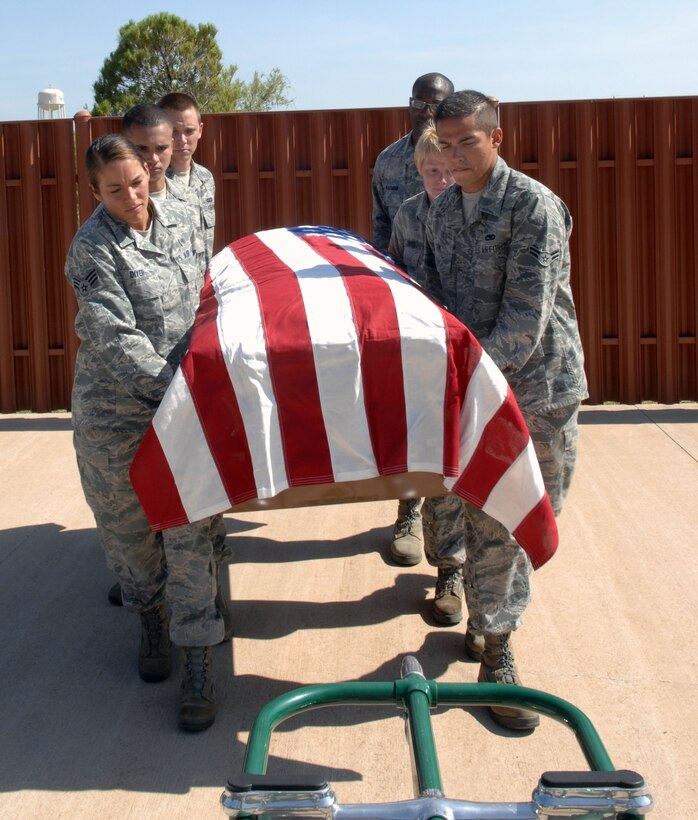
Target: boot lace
153, 626
196, 663
504, 667
449, 583
408, 514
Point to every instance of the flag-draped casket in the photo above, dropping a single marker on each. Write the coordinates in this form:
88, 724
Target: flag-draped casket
317, 372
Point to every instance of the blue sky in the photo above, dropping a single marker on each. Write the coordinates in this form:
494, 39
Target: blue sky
369, 54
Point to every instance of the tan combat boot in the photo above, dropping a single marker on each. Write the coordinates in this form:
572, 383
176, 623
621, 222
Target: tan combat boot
497, 666
197, 709
155, 653
406, 547
447, 607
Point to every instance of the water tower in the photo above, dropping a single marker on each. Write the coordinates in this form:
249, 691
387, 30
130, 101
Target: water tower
51, 103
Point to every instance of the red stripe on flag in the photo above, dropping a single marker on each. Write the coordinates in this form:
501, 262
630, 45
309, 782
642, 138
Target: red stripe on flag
504, 438
463, 356
538, 534
217, 407
378, 331
291, 363
155, 485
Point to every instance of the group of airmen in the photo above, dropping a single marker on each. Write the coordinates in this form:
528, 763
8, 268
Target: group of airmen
488, 242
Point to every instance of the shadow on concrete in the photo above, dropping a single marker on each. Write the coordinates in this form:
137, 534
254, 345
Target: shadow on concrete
640, 415
20, 423
254, 550
636, 414
75, 714
271, 619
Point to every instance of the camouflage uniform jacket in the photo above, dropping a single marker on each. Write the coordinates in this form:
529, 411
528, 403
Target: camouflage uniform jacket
395, 178
406, 246
189, 197
137, 298
201, 183
506, 275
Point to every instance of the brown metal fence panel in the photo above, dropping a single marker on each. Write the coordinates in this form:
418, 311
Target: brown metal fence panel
626, 168
38, 217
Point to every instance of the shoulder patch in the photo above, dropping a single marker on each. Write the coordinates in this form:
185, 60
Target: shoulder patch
84, 284
544, 258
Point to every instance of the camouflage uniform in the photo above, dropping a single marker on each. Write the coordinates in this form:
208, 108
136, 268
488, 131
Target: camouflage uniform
201, 182
505, 275
395, 178
137, 299
175, 190
406, 247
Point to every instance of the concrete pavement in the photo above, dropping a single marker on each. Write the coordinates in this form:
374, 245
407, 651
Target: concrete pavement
612, 629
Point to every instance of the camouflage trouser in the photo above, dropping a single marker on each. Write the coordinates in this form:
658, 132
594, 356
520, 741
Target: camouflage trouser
222, 548
178, 565
496, 569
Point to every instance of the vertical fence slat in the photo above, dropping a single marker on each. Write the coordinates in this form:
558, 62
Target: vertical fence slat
694, 241
665, 199
248, 170
83, 138
68, 222
549, 157
359, 175
626, 237
8, 396
511, 126
35, 290
586, 237
284, 171
321, 168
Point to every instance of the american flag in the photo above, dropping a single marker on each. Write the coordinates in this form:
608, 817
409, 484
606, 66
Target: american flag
314, 362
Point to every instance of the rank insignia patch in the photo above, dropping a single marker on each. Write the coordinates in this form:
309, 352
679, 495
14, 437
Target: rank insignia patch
85, 283
543, 257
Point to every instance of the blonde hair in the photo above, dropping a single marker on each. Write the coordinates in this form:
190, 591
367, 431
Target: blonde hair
427, 146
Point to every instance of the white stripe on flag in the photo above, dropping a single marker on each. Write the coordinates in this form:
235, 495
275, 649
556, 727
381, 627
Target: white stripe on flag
517, 492
485, 394
184, 444
241, 335
336, 354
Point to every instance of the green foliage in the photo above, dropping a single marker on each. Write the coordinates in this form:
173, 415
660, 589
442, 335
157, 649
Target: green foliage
164, 53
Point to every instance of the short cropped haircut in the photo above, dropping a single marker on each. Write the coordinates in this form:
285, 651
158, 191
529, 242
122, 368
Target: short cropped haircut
427, 146
466, 103
106, 149
147, 115
432, 82
177, 101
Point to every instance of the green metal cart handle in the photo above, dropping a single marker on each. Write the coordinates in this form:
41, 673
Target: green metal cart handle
602, 792
414, 693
